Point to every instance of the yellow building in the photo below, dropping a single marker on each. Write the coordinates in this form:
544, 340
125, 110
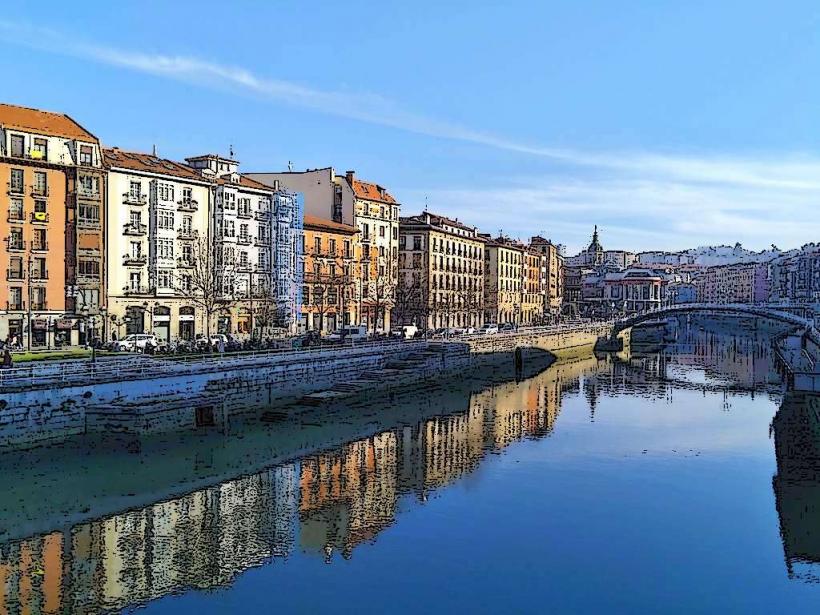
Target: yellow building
503, 281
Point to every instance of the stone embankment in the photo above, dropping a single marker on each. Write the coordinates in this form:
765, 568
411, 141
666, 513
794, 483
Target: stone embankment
154, 394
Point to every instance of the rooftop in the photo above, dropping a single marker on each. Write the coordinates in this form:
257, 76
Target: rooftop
322, 224
43, 122
148, 163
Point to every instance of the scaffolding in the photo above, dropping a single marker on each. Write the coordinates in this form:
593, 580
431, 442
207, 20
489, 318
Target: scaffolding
288, 208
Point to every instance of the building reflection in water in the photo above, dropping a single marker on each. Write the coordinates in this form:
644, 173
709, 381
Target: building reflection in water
328, 503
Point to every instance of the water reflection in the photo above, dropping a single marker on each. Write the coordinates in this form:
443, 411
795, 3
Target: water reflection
327, 504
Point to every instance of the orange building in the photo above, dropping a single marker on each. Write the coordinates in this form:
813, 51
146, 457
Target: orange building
40, 157
331, 278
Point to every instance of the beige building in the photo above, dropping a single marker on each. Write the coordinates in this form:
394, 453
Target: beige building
533, 287
503, 281
370, 208
441, 273
554, 273
737, 283
157, 217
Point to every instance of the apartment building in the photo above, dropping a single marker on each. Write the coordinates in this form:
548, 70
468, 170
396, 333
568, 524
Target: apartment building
440, 273
503, 280
554, 264
157, 233
367, 206
244, 220
737, 283
332, 260
50, 166
795, 277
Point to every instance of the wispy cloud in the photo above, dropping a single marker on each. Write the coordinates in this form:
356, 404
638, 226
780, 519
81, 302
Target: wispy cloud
639, 196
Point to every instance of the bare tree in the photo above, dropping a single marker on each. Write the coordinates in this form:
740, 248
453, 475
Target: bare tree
411, 299
202, 280
378, 292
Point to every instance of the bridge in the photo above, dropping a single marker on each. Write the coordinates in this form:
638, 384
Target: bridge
798, 350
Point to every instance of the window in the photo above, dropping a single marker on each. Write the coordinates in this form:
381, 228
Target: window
16, 239
165, 219
243, 259
18, 146
135, 189
16, 183
187, 254
15, 298
16, 209
165, 192
417, 242
40, 149
381, 231
136, 218
89, 185
263, 261
134, 281
185, 282
40, 186
165, 248
395, 233
332, 246
164, 278
229, 199
230, 228
136, 249
347, 249
89, 268
317, 245
365, 231
381, 211
86, 155
187, 194
39, 240
15, 268
88, 213
38, 298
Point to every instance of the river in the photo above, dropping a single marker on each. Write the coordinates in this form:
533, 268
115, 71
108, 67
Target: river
647, 481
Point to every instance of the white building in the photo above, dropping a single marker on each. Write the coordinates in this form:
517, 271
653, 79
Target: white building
157, 211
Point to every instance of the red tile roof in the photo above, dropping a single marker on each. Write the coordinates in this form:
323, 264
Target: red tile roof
43, 122
370, 191
135, 161
315, 223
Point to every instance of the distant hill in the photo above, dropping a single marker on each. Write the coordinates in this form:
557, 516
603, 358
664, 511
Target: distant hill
708, 256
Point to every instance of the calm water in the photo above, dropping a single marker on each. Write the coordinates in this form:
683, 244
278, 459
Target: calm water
647, 482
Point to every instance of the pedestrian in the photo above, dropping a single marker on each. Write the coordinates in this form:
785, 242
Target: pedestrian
7, 360
221, 345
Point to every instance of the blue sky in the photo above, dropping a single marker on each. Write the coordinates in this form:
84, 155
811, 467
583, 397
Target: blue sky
669, 124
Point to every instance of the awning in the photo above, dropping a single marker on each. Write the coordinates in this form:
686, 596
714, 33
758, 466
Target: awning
64, 324
39, 323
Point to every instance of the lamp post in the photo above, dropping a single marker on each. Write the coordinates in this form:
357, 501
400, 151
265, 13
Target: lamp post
84, 313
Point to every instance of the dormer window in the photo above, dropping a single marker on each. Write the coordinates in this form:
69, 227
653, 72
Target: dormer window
18, 146
39, 150
86, 155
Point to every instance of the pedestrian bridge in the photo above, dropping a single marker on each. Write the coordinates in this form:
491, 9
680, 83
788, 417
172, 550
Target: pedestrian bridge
732, 309
799, 349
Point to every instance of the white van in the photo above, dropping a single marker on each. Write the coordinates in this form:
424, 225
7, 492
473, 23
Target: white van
408, 332
350, 333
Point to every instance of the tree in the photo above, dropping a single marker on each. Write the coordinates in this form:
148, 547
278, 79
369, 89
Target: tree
379, 287
205, 280
411, 299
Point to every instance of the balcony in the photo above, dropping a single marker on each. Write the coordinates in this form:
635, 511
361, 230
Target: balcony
88, 279
244, 212
39, 246
16, 188
16, 215
187, 205
261, 241
184, 263
262, 214
244, 268
89, 224
39, 217
39, 192
244, 240
15, 307
186, 233
134, 260
15, 275
39, 306
39, 274
16, 245
129, 198
136, 289
134, 229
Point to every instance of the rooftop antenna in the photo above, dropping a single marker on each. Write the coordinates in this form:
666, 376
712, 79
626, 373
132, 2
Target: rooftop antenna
290, 166
230, 150
154, 150
425, 203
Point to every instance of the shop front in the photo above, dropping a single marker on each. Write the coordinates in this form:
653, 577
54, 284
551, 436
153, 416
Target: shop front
186, 323
162, 323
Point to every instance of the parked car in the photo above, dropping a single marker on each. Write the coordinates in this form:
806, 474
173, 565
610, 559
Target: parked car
489, 329
407, 332
139, 342
507, 327
356, 333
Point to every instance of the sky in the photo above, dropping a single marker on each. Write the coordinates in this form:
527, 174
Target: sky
668, 124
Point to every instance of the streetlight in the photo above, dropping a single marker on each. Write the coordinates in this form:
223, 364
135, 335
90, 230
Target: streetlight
85, 315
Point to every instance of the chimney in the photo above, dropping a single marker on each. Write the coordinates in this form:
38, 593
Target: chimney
350, 175
276, 185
